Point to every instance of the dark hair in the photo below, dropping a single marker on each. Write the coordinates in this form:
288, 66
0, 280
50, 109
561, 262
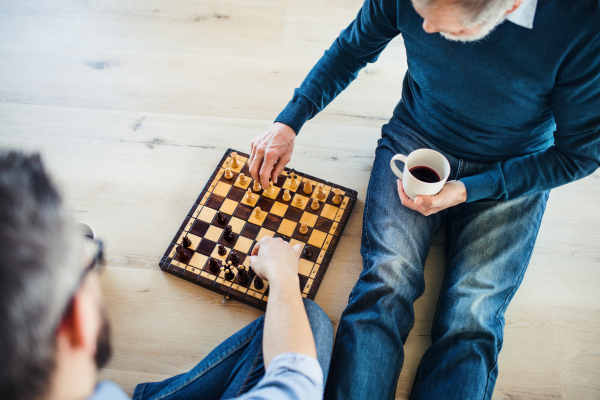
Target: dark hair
38, 264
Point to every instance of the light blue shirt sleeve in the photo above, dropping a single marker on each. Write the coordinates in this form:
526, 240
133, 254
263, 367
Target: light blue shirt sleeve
107, 390
289, 376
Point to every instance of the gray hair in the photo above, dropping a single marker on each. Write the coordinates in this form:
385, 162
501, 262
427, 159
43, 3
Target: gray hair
477, 11
39, 268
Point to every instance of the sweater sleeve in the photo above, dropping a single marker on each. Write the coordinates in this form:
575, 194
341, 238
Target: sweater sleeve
576, 151
360, 43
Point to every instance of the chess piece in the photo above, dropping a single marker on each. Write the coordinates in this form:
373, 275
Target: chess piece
229, 275
307, 252
221, 217
243, 179
182, 254
294, 182
221, 250
229, 236
213, 265
243, 277
186, 242
228, 173
251, 272
249, 197
321, 193
270, 190
258, 213
286, 195
307, 187
298, 202
234, 160
315, 204
256, 186
258, 283
337, 199
303, 228
234, 258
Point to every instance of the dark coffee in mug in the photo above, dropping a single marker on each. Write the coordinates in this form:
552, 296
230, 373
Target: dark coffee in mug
425, 174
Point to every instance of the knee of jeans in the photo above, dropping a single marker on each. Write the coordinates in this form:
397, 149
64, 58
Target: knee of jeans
470, 317
319, 321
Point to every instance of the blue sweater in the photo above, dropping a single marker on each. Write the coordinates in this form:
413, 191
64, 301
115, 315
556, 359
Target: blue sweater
526, 100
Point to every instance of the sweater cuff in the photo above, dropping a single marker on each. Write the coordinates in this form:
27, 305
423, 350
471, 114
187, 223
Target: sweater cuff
294, 115
480, 186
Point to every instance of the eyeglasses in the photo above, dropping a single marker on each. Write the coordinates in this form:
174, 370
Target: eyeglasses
93, 250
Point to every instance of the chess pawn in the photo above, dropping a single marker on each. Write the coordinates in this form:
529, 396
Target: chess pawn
298, 202
221, 250
182, 254
315, 204
243, 277
228, 173
307, 187
258, 283
221, 217
307, 252
286, 195
303, 228
229, 275
234, 258
321, 193
249, 196
186, 242
243, 179
213, 265
256, 186
258, 213
294, 182
229, 236
270, 189
234, 160
337, 199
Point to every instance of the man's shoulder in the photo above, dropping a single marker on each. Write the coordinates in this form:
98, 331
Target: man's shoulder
107, 390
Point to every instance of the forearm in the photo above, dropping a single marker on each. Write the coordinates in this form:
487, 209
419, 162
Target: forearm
287, 329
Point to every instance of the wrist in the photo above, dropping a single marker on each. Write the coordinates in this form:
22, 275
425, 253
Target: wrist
282, 277
463, 193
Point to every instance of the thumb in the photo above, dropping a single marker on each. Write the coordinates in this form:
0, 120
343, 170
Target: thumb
297, 250
253, 260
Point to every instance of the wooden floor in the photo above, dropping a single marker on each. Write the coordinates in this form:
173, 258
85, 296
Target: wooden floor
132, 103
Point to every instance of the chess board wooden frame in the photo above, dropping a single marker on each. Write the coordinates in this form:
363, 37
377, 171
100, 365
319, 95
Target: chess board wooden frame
325, 227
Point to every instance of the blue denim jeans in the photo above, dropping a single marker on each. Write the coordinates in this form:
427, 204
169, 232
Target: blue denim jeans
488, 247
236, 365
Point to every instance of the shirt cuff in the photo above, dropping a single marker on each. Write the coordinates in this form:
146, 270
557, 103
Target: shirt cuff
299, 363
481, 186
294, 115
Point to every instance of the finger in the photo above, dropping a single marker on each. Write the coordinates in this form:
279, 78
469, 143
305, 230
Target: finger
297, 250
255, 165
280, 165
253, 261
403, 197
267, 167
426, 201
256, 248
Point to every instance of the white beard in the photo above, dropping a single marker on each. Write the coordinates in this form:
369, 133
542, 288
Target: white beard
484, 30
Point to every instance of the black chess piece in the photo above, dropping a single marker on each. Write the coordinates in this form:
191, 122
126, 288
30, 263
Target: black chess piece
229, 275
307, 252
228, 234
243, 277
213, 265
182, 254
222, 251
258, 283
221, 217
234, 258
251, 272
186, 242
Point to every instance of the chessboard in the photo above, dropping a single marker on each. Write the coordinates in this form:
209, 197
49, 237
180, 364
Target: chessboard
212, 247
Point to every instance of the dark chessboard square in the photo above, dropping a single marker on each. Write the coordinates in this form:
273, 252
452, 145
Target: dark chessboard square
246, 170
241, 256
303, 280
228, 243
310, 209
265, 203
315, 254
323, 224
243, 212
236, 194
230, 181
250, 231
294, 214
206, 268
224, 224
279, 197
215, 201
298, 236
272, 222
199, 228
206, 247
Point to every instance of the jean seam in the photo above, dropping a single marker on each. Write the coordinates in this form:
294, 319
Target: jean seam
250, 373
213, 365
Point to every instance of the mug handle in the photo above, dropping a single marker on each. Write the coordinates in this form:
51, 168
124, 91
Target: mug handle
399, 157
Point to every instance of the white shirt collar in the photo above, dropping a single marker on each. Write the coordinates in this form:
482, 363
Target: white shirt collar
524, 14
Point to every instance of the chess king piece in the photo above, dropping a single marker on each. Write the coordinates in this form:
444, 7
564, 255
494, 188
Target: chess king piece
234, 160
258, 213
228, 173
249, 196
286, 195
221, 250
243, 275
294, 182
182, 254
221, 217
229, 236
303, 228
213, 265
315, 204
307, 187
298, 202
258, 283
243, 179
307, 252
321, 193
186, 242
337, 199
256, 186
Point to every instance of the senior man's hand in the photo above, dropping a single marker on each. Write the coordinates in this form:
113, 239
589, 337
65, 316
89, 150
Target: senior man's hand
270, 153
453, 193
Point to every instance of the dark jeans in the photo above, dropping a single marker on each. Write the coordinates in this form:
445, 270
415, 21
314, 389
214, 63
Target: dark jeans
236, 365
488, 246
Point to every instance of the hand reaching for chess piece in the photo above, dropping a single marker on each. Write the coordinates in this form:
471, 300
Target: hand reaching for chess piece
270, 152
275, 260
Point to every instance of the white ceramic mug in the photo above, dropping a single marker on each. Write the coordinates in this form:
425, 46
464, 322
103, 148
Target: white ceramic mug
414, 187
86, 230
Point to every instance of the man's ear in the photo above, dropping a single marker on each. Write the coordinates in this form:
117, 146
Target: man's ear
515, 6
78, 328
